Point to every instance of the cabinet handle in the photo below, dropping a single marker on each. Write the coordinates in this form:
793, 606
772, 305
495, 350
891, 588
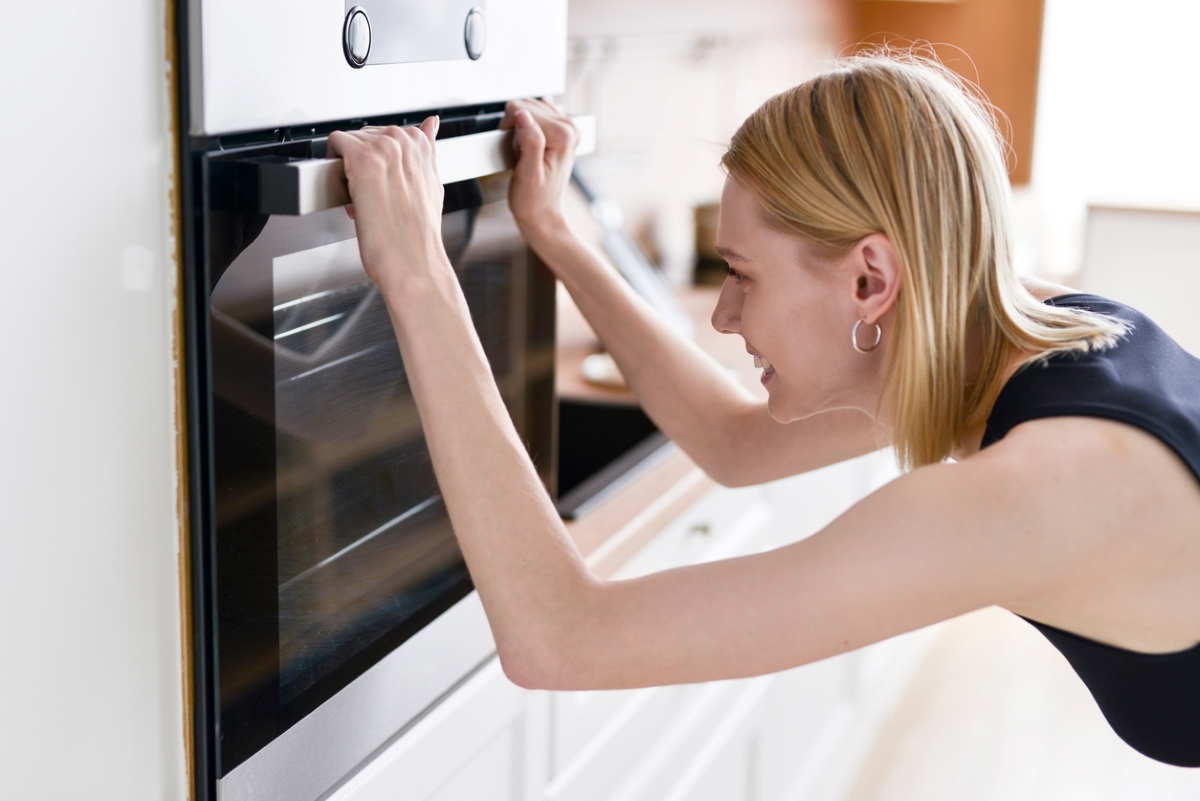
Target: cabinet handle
297, 187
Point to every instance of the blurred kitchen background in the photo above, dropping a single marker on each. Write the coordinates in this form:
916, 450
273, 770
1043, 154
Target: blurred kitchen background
1101, 112
1099, 104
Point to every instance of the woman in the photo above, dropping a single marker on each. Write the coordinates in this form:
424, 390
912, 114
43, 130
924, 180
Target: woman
865, 222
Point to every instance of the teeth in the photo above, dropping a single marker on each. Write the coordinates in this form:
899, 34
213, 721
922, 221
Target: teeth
762, 363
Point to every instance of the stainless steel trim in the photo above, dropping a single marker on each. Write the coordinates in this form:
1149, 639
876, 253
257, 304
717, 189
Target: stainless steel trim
310, 185
420, 31
316, 753
195, 68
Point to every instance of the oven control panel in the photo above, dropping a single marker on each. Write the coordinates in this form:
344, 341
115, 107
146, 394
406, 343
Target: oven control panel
393, 32
258, 65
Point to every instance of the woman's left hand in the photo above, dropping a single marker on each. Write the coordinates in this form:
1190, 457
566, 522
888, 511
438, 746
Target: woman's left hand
396, 200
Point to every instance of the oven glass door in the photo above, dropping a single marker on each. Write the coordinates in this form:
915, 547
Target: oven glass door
333, 543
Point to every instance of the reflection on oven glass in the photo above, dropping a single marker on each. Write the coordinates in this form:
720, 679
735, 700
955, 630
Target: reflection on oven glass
333, 544
363, 539
364, 542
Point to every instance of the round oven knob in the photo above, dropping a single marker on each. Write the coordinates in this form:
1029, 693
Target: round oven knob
475, 33
356, 37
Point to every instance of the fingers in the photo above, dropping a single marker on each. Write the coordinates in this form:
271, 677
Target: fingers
531, 145
338, 142
411, 144
511, 109
560, 133
344, 144
372, 153
559, 130
430, 127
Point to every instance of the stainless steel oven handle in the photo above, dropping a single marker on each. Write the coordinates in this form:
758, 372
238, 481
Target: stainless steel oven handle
310, 185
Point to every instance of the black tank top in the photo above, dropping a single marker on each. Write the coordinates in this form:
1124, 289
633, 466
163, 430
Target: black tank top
1152, 701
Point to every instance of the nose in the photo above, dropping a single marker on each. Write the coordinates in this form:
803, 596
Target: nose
727, 316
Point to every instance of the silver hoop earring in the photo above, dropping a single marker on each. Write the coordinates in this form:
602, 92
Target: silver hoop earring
854, 337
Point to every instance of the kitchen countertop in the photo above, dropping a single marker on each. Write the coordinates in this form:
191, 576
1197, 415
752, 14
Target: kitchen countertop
610, 534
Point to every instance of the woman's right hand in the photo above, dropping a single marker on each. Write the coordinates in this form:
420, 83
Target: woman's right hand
546, 140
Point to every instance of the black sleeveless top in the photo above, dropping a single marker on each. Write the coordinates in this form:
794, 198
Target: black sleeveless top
1152, 701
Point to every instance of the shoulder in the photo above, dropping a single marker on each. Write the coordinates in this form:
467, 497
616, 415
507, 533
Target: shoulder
1045, 290
1078, 482
1062, 461
1036, 505
1014, 522
1060, 295
987, 530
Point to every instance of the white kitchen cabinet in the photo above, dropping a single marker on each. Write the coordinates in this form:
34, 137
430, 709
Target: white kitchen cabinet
796, 712
621, 745
600, 737
716, 762
492, 773
793, 736
487, 740
661, 766
583, 722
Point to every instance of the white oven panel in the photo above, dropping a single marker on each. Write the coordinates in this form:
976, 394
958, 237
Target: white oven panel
259, 64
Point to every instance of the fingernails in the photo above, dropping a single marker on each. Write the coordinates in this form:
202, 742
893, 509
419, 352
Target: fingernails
524, 119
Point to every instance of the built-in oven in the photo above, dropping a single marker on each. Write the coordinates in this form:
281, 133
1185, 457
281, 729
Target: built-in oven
330, 604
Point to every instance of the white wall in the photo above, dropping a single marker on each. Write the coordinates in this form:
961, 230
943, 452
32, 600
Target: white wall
90, 672
1117, 115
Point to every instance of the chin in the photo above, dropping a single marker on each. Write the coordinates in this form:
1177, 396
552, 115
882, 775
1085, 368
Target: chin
788, 410
779, 411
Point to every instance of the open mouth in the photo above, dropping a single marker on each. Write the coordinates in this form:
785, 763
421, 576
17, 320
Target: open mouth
761, 363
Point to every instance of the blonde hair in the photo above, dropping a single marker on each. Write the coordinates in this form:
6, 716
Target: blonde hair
897, 144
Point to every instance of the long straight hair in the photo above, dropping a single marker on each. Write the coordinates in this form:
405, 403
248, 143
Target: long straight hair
899, 145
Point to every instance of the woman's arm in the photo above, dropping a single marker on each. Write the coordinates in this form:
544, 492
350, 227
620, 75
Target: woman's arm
936, 543
530, 577
688, 395
932, 545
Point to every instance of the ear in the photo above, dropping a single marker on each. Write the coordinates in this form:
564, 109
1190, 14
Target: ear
876, 272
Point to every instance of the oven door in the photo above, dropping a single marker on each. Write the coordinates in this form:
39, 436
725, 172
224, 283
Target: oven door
343, 605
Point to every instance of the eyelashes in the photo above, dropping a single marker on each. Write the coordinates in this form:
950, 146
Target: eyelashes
734, 274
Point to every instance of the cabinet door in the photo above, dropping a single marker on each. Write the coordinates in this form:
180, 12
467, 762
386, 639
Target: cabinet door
485, 741
798, 711
707, 752
598, 736
490, 774
622, 743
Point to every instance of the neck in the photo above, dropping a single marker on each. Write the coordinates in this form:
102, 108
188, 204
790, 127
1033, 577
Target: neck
1013, 360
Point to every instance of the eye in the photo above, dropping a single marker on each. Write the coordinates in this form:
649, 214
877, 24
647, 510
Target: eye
734, 274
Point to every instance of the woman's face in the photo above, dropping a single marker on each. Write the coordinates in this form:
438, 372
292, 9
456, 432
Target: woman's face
795, 312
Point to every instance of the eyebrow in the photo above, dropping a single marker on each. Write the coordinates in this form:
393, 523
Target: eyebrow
728, 254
